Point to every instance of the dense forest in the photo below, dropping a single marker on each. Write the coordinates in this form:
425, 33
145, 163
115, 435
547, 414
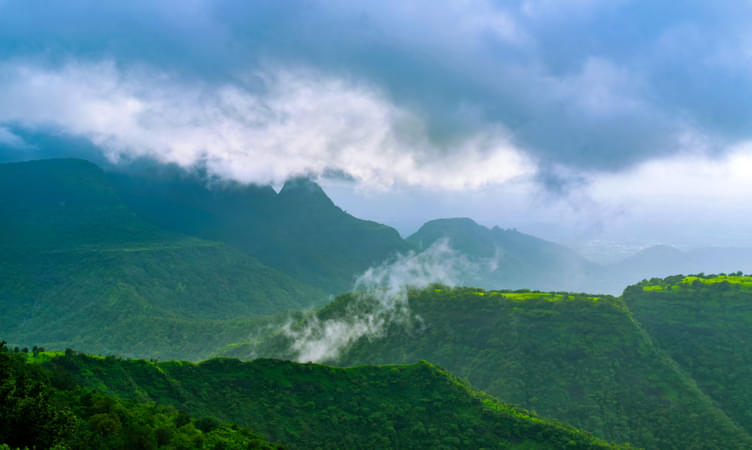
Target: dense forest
705, 324
85, 401
44, 408
156, 269
299, 230
75, 258
574, 357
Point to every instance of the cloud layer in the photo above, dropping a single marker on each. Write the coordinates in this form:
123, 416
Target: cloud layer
586, 84
266, 128
516, 100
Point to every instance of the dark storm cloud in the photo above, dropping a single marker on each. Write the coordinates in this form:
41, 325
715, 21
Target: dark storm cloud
587, 84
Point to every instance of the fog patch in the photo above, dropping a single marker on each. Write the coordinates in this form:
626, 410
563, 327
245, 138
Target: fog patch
380, 299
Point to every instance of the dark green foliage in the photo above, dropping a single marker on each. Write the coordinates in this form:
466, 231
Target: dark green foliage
298, 231
28, 413
80, 269
706, 326
315, 406
37, 413
574, 357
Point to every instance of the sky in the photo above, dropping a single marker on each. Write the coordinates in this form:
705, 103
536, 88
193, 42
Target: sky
606, 125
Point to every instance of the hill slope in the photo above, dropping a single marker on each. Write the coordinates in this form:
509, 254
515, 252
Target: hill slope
298, 231
42, 409
514, 260
315, 406
576, 358
81, 269
705, 323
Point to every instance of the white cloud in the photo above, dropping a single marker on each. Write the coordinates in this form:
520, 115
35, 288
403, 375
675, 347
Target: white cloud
273, 125
380, 300
686, 183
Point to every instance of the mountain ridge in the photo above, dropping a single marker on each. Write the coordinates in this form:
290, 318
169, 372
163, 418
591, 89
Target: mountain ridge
79, 265
316, 406
576, 357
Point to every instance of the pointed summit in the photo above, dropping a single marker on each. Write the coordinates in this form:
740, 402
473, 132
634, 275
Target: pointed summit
304, 190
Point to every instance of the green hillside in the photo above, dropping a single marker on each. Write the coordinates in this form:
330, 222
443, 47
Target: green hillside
573, 357
298, 231
46, 409
315, 406
705, 324
513, 260
80, 269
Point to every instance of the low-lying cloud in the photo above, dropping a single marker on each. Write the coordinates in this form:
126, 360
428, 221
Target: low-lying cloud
266, 127
380, 300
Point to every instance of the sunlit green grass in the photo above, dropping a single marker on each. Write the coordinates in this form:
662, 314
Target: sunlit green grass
522, 295
674, 284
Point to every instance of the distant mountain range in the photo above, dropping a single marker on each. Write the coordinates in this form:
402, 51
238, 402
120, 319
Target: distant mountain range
661, 261
513, 260
143, 265
510, 259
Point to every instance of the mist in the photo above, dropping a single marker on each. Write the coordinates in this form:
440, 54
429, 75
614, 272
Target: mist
379, 300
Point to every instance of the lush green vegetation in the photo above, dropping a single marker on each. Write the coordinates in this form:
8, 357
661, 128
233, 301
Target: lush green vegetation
298, 231
48, 409
666, 366
316, 406
705, 324
574, 357
80, 269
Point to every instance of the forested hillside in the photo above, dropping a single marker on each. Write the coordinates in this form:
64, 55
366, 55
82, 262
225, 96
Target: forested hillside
298, 231
315, 406
48, 409
79, 268
705, 324
573, 357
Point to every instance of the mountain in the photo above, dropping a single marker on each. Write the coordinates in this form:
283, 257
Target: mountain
705, 324
42, 409
662, 261
655, 260
79, 268
510, 259
299, 231
315, 406
574, 357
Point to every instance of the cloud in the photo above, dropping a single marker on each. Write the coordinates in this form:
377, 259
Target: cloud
698, 188
380, 300
571, 84
266, 127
